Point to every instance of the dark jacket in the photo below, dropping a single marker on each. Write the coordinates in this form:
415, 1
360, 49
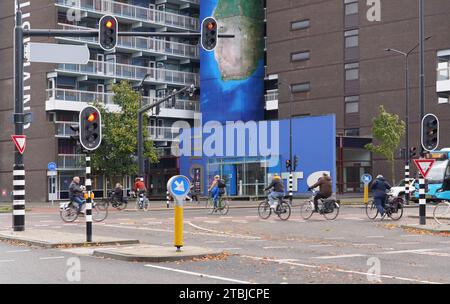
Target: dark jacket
379, 188
74, 190
276, 184
325, 186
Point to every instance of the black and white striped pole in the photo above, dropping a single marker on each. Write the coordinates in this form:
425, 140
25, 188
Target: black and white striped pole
422, 202
291, 183
89, 199
167, 199
407, 182
19, 198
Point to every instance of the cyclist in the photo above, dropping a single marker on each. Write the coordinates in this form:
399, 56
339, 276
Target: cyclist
277, 192
76, 193
118, 193
379, 188
325, 189
217, 189
139, 187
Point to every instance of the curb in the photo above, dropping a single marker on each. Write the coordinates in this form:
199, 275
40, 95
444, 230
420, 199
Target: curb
434, 230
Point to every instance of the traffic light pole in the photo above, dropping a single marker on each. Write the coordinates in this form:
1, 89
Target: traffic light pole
141, 113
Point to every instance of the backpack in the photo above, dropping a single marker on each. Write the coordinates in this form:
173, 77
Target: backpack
221, 184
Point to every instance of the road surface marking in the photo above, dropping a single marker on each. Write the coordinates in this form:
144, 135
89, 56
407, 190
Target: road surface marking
6, 261
364, 244
47, 221
212, 222
335, 238
375, 236
440, 254
320, 245
411, 251
201, 218
42, 225
353, 218
410, 235
339, 270
224, 233
237, 248
202, 275
18, 251
52, 258
408, 243
240, 221
215, 242
329, 257
275, 247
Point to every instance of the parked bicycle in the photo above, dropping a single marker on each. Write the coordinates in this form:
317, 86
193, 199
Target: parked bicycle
441, 213
394, 208
69, 212
329, 208
222, 208
283, 209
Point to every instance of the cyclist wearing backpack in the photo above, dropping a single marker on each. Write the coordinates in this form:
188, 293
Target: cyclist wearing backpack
217, 189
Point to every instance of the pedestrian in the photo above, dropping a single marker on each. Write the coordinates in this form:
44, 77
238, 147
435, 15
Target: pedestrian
379, 188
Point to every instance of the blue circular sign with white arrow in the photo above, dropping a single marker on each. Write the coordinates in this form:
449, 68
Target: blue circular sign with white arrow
51, 166
366, 178
179, 187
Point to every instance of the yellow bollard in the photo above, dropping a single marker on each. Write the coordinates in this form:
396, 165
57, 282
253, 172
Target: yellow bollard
366, 194
178, 224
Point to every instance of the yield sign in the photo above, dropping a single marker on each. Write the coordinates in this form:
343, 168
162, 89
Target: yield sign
20, 141
424, 166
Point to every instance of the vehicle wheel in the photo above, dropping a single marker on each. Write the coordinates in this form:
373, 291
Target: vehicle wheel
122, 206
335, 212
306, 210
146, 204
69, 213
225, 207
98, 214
264, 210
103, 204
209, 205
284, 211
137, 205
441, 213
396, 209
371, 210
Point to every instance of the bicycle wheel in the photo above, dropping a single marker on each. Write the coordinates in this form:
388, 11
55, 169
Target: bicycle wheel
146, 204
209, 206
122, 205
99, 215
103, 204
264, 210
441, 213
332, 211
284, 211
224, 208
69, 213
371, 210
306, 209
396, 209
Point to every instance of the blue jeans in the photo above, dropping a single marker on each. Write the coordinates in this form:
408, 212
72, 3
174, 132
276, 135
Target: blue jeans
380, 203
215, 195
274, 196
79, 201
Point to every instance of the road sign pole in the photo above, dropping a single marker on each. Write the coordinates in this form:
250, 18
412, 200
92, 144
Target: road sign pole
19, 168
366, 193
89, 199
178, 187
422, 202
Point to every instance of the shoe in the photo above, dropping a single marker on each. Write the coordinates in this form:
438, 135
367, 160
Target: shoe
383, 215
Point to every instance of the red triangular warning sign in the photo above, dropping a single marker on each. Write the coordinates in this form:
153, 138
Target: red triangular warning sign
20, 141
424, 166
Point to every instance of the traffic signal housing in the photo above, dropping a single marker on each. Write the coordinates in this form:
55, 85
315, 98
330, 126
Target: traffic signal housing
412, 152
90, 128
295, 162
288, 164
430, 132
108, 32
209, 34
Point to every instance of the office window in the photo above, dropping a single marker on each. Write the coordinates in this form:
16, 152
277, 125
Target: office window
352, 71
300, 56
300, 87
351, 38
351, 7
300, 25
351, 104
351, 132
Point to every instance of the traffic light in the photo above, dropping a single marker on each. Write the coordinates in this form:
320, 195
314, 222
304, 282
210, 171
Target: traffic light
209, 34
108, 32
430, 132
295, 162
288, 164
76, 135
90, 128
412, 152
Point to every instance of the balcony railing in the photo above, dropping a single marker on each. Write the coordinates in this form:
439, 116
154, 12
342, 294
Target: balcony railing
130, 72
142, 44
134, 12
443, 74
71, 161
270, 96
63, 128
167, 151
163, 133
108, 98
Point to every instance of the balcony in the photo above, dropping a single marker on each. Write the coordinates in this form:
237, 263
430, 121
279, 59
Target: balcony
167, 151
63, 129
111, 70
75, 100
443, 80
133, 13
163, 133
71, 161
148, 46
271, 100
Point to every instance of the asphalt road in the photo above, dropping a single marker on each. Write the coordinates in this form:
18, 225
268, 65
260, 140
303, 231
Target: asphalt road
351, 249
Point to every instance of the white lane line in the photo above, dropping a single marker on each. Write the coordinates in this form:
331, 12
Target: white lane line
440, 254
197, 274
6, 261
339, 270
353, 219
48, 221
215, 242
18, 251
408, 243
276, 247
364, 244
410, 235
336, 238
320, 245
42, 225
240, 221
375, 236
411, 251
329, 257
236, 248
250, 238
52, 258
212, 222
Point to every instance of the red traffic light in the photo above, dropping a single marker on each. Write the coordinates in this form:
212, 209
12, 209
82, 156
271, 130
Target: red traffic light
109, 24
211, 25
92, 117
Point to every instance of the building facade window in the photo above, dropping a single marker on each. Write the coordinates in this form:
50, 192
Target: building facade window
301, 87
352, 71
351, 7
351, 38
351, 104
351, 132
300, 25
300, 56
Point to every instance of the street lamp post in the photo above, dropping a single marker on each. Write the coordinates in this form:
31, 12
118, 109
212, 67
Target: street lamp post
407, 148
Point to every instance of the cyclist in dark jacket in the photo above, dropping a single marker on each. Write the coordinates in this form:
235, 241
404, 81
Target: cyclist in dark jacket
277, 192
325, 189
379, 188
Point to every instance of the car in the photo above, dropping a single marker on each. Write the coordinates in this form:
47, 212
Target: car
399, 189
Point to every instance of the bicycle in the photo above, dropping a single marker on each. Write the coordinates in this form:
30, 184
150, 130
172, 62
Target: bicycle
114, 202
329, 208
223, 205
394, 208
441, 213
283, 209
69, 212
142, 202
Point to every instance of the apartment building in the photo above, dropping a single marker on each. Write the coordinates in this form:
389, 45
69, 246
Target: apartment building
57, 92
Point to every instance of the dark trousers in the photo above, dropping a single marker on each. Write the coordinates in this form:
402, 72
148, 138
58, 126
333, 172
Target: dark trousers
319, 196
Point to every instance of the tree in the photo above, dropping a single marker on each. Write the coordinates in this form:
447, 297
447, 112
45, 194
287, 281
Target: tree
387, 129
116, 156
